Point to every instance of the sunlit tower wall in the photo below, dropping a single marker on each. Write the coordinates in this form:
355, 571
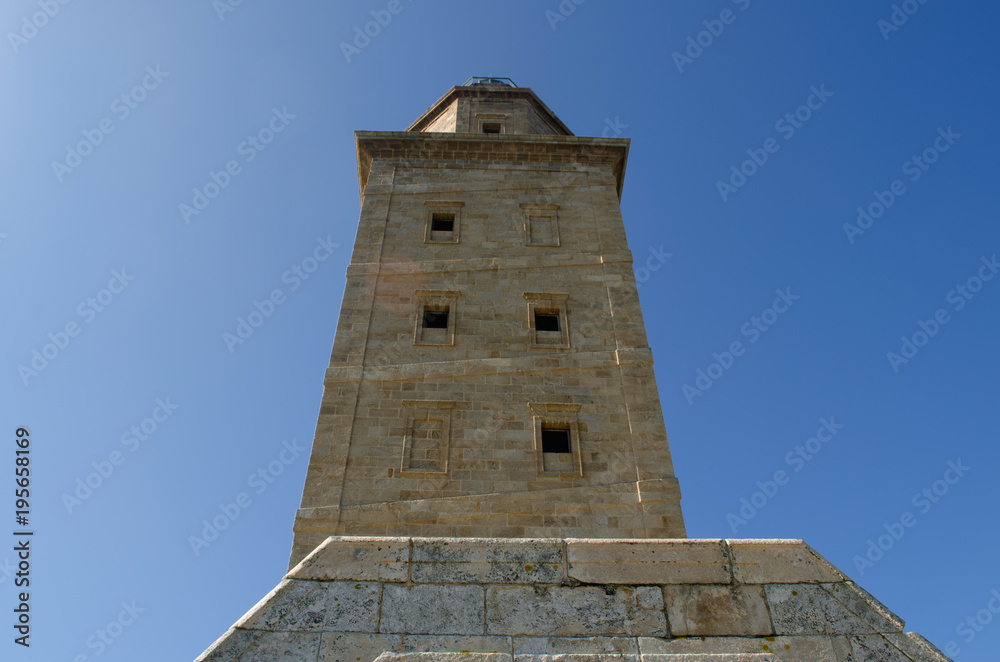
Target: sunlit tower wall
490, 375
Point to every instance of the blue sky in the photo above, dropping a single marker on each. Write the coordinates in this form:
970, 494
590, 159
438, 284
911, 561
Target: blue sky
820, 106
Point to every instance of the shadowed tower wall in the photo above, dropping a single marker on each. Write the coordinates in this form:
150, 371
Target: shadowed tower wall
490, 375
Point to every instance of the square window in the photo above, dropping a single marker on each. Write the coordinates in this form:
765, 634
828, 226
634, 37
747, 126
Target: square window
441, 222
492, 127
555, 440
548, 325
546, 321
435, 319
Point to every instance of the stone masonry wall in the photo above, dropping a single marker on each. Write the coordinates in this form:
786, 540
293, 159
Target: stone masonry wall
355, 598
437, 434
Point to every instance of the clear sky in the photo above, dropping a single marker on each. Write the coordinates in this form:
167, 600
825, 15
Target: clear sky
751, 154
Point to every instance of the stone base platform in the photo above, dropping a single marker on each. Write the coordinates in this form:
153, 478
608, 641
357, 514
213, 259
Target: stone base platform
355, 599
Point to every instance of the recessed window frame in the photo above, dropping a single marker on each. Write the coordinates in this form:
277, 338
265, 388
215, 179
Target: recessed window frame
426, 411
547, 303
491, 119
435, 300
439, 208
558, 416
534, 214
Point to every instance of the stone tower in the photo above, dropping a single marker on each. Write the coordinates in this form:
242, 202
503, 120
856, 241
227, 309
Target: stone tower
490, 479
490, 374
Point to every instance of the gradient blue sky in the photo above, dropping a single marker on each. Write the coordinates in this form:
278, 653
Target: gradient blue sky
607, 69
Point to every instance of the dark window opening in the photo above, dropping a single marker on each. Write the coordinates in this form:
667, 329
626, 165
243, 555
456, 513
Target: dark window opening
443, 223
555, 440
546, 322
436, 319
492, 127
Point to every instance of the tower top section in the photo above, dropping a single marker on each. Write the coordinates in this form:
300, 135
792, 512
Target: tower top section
490, 105
488, 80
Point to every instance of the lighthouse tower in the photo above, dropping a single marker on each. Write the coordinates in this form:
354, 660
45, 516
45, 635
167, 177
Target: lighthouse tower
490, 479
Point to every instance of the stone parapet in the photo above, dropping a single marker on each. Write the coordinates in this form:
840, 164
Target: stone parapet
354, 599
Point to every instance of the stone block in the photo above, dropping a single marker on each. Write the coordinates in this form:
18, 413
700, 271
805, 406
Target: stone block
804, 609
785, 649
357, 558
744, 657
712, 611
432, 609
358, 647
916, 647
571, 611
445, 657
564, 645
598, 561
307, 605
487, 560
229, 646
875, 648
779, 562
266, 647
863, 605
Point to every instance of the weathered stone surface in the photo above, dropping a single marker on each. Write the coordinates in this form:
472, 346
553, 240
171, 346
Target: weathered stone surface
711, 611
875, 648
779, 562
785, 649
487, 560
357, 558
568, 611
432, 609
326, 606
916, 647
812, 609
479, 598
563, 645
270, 646
648, 561
357, 647
865, 607
229, 646
445, 657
